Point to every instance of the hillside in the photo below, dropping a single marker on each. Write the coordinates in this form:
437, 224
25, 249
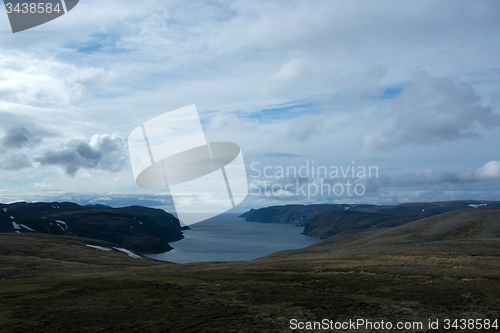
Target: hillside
429, 207
136, 228
467, 231
331, 223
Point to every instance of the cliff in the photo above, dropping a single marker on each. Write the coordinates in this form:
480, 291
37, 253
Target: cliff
294, 214
136, 228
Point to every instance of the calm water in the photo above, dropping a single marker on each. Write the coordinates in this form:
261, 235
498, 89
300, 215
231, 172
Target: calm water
227, 238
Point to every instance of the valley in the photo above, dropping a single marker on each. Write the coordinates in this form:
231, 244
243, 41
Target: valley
443, 266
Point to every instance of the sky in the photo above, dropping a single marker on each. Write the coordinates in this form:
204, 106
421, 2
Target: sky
407, 90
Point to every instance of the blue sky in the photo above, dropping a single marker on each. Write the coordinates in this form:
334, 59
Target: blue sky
411, 88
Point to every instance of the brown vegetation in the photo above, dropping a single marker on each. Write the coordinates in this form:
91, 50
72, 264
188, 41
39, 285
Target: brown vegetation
446, 266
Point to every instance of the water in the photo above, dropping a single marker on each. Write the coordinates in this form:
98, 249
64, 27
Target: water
229, 238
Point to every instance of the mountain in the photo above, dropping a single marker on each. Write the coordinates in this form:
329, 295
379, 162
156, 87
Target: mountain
465, 231
141, 229
293, 214
330, 223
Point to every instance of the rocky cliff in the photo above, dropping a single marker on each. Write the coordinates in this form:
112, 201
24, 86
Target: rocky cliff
136, 228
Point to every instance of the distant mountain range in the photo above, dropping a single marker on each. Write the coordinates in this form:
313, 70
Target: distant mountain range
293, 214
141, 229
329, 220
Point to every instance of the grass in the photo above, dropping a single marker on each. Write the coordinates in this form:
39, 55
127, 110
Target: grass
57, 284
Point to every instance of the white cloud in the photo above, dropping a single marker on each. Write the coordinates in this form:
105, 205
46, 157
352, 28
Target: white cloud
303, 128
490, 170
28, 79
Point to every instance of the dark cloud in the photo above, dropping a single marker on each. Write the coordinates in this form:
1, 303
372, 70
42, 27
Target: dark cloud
432, 111
441, 110
15, 139
102, 152
486, 174
18, 137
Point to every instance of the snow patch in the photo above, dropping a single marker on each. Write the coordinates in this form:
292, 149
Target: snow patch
98, 247
346, 208
140, 222
133, 255
26, 227
12, 217
15, 225
478, 205
43, 217
5, 210
62, 222
53, 206
18, 232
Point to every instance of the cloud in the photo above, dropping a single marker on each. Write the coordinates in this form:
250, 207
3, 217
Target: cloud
375, 186
107, 73
14, 161
231, 122
432, 111
30, 79
101, 152
18, 137
305, 127
438, 176
12, 144
490, 170
277, 154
